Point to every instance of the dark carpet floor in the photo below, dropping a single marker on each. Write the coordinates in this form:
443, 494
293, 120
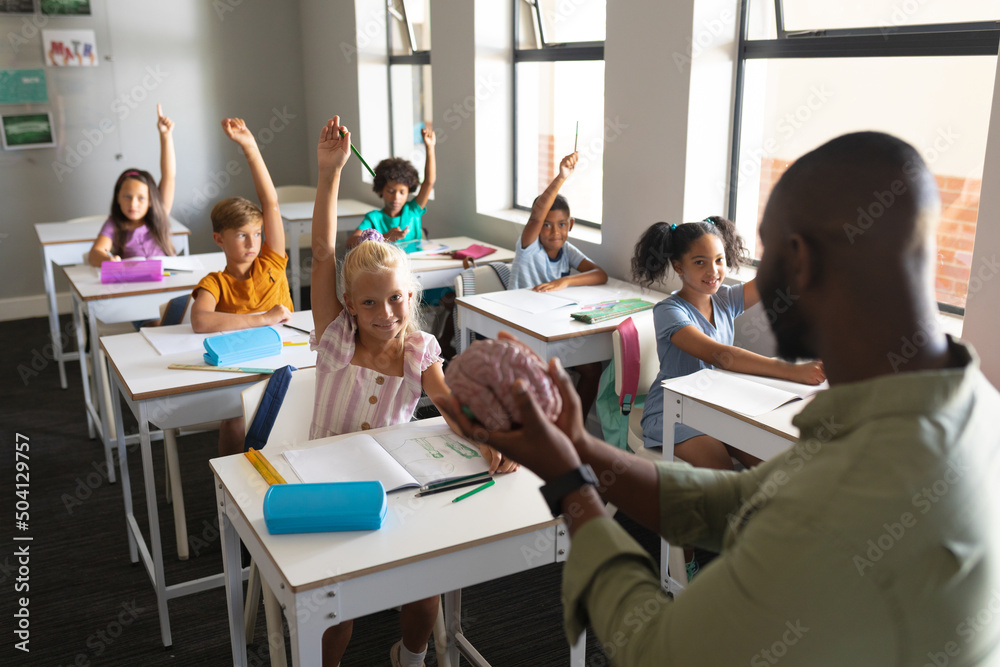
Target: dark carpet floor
89, 605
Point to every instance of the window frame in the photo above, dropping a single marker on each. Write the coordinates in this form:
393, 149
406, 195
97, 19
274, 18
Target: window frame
413, 58
547, 53
973, 38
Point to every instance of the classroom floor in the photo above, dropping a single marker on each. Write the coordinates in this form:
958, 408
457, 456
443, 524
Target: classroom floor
90, 606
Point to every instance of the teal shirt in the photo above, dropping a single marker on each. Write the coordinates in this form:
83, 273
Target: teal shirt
408, 217
874, 540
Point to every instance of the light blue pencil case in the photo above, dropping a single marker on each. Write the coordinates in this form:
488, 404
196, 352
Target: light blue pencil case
318, 508
233, 349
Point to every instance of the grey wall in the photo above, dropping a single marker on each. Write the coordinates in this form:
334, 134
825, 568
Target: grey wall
203, 61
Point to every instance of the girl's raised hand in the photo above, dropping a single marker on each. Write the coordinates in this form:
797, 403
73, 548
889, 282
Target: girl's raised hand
237, 130
568, 164
334, 145
429, 137
163, 124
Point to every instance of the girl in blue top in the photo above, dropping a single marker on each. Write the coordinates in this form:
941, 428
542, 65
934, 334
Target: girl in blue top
694, 326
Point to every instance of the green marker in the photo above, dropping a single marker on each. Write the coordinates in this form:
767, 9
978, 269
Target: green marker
361, 158
575, 140
475, 490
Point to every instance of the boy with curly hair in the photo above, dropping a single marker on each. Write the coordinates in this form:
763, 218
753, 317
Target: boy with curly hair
395, 179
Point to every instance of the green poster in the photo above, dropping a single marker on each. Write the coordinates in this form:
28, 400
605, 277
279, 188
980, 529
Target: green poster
23, 86
72, 7
28, 130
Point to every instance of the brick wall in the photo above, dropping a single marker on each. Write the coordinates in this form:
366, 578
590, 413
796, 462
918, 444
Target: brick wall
956, 231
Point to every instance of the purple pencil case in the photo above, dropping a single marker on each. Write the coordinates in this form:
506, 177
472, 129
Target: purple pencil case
138, 271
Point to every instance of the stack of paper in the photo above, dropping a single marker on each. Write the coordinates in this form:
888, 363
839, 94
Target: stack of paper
749, 395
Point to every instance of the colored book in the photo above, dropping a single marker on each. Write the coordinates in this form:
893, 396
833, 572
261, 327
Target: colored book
611, 310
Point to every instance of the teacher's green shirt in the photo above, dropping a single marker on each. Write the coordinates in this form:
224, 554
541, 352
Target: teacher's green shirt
875, 540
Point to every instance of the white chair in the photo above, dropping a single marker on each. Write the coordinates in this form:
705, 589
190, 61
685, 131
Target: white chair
296, 193
478, 280
291, 427
649, 367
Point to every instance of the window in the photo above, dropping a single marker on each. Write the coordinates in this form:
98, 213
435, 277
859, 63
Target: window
559, 101
810, 71
408, 42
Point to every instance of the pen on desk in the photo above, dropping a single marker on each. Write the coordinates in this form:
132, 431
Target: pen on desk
454, 480
441, 489
475, 490
296, 328
173, 270
288, 342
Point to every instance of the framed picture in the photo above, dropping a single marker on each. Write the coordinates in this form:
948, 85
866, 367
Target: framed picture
27, 130
70, 7
69, 48
17, 6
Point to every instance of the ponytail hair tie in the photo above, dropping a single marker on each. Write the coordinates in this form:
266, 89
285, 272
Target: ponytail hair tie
673, 226
709, 220
371, 234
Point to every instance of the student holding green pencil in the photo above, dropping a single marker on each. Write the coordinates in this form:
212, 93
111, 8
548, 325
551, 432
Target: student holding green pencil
395, 179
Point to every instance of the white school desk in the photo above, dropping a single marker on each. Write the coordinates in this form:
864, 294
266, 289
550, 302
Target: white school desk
297, 218
120, 302
64, 243
765, 436
173, 399
426, 546
553, 333
440, 271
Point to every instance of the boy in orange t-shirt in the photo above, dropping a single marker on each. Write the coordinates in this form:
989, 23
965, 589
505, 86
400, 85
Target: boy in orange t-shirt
252, 291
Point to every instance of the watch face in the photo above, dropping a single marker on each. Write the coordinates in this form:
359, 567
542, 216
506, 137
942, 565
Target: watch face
559, 488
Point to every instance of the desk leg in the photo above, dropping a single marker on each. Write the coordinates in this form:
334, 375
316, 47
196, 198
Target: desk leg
306, 636
465, 335
232, 567
673, 576
453, 624
81, 342
97, 407
50, 292
126, 480
155, 546
578, 651
295, 263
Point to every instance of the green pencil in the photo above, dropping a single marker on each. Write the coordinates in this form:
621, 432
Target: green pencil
361, 158
475, 490
575, 139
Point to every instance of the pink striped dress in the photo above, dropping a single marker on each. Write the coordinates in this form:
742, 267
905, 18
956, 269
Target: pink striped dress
353, 398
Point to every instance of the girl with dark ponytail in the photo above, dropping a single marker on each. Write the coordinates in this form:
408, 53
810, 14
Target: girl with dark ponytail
694, 325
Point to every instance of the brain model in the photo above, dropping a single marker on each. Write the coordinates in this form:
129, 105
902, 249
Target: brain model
482, 376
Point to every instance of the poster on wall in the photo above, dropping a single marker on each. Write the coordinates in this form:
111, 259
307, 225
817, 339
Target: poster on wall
26, 130
17, 6
23, 86
69, 48
66, 7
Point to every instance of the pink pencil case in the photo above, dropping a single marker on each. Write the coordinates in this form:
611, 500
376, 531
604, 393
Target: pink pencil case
474, 251
139, 271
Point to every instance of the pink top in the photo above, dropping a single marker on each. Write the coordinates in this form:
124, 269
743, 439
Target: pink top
140, 242
353, 398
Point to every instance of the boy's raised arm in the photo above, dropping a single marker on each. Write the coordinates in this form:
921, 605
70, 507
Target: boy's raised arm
168, 160
543, 203
331, 156
274, 230
430, 168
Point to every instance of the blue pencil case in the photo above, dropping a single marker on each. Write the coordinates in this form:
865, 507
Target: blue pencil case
233, 349
318, 508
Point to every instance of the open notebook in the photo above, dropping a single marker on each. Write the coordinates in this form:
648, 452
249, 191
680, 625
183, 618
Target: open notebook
408, 457
749, 395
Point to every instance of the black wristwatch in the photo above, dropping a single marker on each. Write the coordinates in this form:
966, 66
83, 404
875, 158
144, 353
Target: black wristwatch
560, 487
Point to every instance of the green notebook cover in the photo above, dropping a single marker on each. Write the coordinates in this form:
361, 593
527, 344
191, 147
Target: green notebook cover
609, 311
